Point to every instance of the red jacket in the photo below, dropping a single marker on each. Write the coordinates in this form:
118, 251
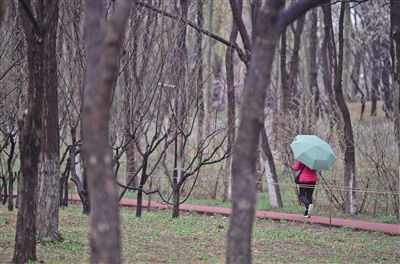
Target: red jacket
308, 175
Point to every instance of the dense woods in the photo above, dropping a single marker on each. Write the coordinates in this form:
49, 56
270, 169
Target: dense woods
193, 99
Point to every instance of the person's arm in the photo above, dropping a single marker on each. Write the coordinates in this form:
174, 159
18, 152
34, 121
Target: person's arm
297, 165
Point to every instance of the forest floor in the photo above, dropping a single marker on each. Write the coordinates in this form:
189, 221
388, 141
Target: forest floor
193, 238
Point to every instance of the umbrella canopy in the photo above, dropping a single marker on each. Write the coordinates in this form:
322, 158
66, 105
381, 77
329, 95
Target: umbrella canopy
313, 152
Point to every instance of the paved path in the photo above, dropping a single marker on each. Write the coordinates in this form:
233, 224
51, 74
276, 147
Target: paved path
393, 229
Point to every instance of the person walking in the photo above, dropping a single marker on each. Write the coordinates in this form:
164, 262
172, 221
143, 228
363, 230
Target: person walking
307, 180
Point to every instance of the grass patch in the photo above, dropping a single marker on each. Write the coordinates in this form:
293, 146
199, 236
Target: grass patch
192, 238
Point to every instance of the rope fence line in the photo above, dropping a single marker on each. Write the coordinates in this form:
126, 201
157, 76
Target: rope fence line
317, 187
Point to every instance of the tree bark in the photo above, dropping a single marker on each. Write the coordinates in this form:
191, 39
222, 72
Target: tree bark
103, 47
314, 90
230, 83
180, 104
346, 131
47, 193
200, 80
395, 53
30, 140
329, 59
294, 67
284, 84
274, 191
375, 76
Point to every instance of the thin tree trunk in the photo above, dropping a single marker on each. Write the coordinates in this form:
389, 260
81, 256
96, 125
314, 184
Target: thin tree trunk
314, 90
387, 93
346, 133
395, 53
355, 76
294, 66
274, 191
347, 52
375, 76
284, 84
329, 59
11, 176
141, 184
230, 82
200, 84
180, 103
83, 195
103, 47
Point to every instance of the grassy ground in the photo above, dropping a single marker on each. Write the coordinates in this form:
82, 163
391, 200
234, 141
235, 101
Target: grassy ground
192, 238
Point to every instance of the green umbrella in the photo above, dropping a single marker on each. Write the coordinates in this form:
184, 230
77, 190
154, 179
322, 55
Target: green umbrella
313, 152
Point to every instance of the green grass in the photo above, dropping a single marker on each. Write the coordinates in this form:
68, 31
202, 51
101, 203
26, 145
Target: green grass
192, 238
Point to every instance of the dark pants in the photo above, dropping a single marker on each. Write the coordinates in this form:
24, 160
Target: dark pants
306, 192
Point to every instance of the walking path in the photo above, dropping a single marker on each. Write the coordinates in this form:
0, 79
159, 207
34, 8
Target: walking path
393, 229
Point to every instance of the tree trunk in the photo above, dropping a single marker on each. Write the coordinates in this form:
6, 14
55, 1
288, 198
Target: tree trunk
11, 176
387, 93
375, 76
346, 131
355, 76
252, 118
200, 84
180, 107
274, 191
314, 91
83, 195
103, 46
25, 238
142, 182
284, 83
230, 83
294, 67
130, 168
47, 193
329, 59
395, 52
347, 51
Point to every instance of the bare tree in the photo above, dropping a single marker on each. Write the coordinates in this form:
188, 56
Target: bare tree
269, 26
47, 193
39, 39
230, 82
252, 117
345, 131
395, 51
103, 45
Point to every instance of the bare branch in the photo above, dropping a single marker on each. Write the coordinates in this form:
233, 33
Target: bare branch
198, 28
296, 10
28, 9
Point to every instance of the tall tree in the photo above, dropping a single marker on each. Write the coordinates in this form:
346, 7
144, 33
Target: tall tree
251, 120
395, 52
345, 128
103, 46
313, 89
269, 26
180, 103
200, 79
47, 193
38, 25
230, 83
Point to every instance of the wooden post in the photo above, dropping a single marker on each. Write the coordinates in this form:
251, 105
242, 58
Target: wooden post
330, 206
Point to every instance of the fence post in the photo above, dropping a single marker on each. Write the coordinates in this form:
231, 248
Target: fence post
330, 205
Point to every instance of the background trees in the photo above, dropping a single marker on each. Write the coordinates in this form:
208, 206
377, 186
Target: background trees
168, 118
